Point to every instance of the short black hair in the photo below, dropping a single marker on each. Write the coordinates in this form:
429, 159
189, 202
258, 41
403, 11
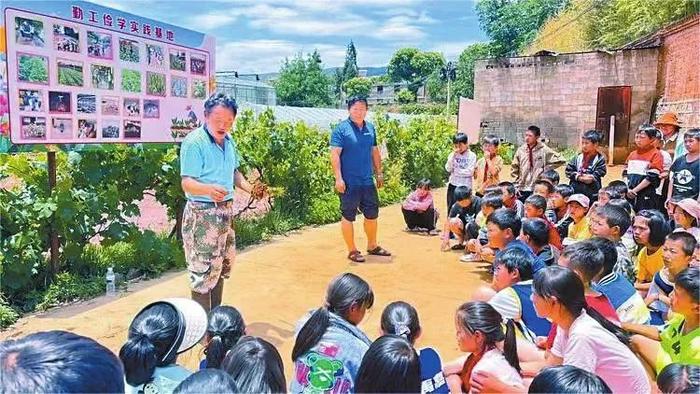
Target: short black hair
535, 130
492, 200
505, 218
692, 133
220, 100
390, 365
462, 193
357, 99
567, 379
59, 362
509, 186
617, 186
609, 250
515, 258
491, 140
679, 378
659, 227
208, 380
537, 230
686, 239
550, 175
615, 216
494, 189
586, 258
460, 138
424, 184
546, 183
537, 201
651, 131
689, 280
594, 136
622, 203
565, 191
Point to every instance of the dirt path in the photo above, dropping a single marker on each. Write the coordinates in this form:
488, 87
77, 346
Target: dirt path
273, 285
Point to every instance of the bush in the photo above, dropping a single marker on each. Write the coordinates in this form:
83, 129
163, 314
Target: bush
8, 316
67, 288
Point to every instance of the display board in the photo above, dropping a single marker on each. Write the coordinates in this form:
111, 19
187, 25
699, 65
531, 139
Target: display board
80, 73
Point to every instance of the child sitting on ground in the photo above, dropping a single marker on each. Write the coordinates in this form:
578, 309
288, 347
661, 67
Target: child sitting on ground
686, 214
462, 213
579, 229
628, 236
488, 168
489, 204
542, 187
643, 168
401, 319
628, 303
535, 206
679, 340
557, 211
535, 234
419, 211
480, 332
460, 165
677, 252
587, 169
650, 230
510, 198
224, 329
612, 222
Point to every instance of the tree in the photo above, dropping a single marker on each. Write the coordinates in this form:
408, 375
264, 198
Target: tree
413, 66
357, 86
513, 24
464, 84
302, 82
405, 96
350, 69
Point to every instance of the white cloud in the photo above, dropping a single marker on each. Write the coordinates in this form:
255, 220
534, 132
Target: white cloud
399, 28
451, 50
212, 20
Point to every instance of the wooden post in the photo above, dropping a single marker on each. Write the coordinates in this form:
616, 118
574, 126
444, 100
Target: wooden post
611, 140
51, 161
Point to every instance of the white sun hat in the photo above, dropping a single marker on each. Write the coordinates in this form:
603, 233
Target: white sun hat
192, 323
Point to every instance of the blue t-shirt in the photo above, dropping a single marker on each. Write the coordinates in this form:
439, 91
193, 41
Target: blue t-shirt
356, 156
207, 162
537, 263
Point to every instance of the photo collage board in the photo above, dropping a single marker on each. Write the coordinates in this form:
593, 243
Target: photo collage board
74, 81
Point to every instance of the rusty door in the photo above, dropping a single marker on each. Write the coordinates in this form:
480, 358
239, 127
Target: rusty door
617, 101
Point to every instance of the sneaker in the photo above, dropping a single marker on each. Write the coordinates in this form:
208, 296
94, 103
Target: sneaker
469, 258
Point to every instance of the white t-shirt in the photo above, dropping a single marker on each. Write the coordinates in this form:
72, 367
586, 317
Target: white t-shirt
495, 362
589, 346
461, 168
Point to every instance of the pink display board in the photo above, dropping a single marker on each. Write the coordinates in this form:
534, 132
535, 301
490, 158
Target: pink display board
469, 119
89, 74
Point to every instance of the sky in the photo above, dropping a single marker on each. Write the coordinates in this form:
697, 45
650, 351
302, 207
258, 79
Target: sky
255, 36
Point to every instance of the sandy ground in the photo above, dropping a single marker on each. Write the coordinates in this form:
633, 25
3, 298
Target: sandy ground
273, 285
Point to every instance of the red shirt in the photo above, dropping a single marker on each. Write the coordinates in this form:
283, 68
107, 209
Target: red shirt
554, 237
600, 304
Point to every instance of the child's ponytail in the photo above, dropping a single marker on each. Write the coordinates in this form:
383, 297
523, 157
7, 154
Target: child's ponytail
224, 329
400, 318
344, 292
510, 348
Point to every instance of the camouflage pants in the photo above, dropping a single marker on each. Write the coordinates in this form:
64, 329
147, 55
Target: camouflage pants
209, 241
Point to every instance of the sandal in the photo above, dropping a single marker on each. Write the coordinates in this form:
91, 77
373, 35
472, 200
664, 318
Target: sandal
356, 256
457, 247
379, 251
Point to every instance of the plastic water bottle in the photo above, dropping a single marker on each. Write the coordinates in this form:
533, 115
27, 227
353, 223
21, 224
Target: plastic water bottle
111, 288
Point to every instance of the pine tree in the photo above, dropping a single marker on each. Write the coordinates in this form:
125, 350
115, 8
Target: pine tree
350, 70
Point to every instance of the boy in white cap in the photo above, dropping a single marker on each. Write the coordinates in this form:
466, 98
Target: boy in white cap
578, 205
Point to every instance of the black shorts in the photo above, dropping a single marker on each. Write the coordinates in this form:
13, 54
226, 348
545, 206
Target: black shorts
362, 199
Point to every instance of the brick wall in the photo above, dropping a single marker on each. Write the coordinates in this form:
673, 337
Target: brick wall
559, 93
679, 72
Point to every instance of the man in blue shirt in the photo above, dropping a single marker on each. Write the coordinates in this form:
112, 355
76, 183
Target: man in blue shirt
354, 153
209, 170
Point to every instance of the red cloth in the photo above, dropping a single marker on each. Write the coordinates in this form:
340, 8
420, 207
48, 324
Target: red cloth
554, 237
601, 304
587, 159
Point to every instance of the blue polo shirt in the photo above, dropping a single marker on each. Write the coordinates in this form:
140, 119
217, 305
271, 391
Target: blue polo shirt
207, 162
356, 157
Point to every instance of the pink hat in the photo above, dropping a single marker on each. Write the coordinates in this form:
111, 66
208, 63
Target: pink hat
690, 206
579, 198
